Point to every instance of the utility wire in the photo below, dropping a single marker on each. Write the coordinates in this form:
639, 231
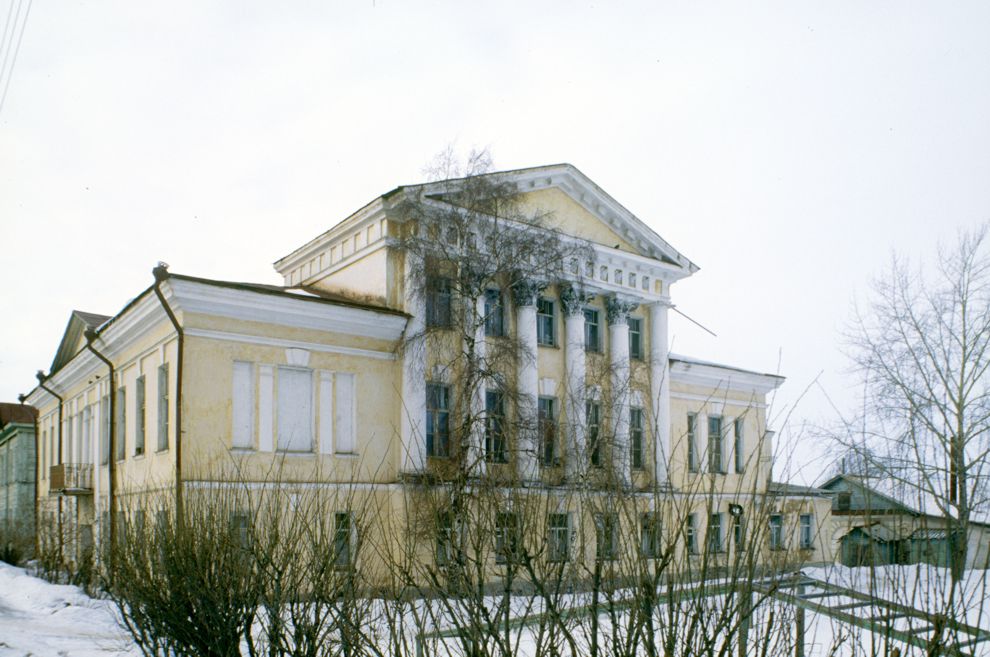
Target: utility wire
7, 37
674, 308
17, 49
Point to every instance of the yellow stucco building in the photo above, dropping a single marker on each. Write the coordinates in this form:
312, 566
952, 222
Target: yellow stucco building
352, 375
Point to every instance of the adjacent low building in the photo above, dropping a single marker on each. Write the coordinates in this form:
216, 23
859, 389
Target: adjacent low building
872, 527
18, 465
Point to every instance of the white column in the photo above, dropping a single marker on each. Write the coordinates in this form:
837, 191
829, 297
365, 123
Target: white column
524, 294
475, 323
660, 389
618, 349
576, 458
413, 403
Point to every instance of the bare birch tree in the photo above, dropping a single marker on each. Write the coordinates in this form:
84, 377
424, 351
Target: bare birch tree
921, 346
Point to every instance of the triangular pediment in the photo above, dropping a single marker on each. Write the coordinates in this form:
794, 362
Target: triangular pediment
74, 337
579, 207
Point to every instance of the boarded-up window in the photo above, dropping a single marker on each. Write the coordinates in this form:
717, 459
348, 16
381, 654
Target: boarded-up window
243, 405
121, 422
139, 424
295, 410
163, 407
345, 414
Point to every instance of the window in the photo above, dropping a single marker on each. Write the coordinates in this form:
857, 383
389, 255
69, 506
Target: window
844, 501
558, 537
546, 325
592, 335
606, 536
121, 420
342, 533
650, 541
739, 532
715, 461
692, 442
242, 403
592, 419
139, 409
446, 552
494, 314
295, 410
714, 533
739, 447
437, 420
344, 413
163, 407
438, 302
635, 338
104, 430
506, 537
496, 451
548, 430
240, 530
776, 532
806, 543
690, 534
636, 437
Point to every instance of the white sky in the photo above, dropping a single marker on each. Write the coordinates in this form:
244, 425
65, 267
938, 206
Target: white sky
787, 148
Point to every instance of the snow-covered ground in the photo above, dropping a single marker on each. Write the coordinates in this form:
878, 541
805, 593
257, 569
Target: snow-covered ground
50, 620
42, 619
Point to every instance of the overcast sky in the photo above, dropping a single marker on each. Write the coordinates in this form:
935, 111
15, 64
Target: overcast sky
787, 148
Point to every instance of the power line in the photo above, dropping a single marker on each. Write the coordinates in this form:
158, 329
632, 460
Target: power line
17, 48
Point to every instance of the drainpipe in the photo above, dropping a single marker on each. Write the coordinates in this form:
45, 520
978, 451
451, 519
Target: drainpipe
91, 336
161, 275
41, 384
37, 451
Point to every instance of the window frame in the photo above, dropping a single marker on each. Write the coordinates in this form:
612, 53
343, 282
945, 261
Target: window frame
507, 537
546, 323
650, 535
496, 446
592, 330
716, 445
637, 448
437, 416
343, 540
805, 533
439, 302
548, 429
163, 403
606, 536
692, 442
309, 416
776, 537
592, 432
494, 319
120, 428
738, 426
739, 532
713, 533
691, 534
635, 325
140, 414
558, 537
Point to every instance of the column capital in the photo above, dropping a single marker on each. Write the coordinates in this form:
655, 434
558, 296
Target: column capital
663, 302
573, 299
525, 291
617, 309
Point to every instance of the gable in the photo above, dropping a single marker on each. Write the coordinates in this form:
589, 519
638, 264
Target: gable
569, 217
864, 498
74, 337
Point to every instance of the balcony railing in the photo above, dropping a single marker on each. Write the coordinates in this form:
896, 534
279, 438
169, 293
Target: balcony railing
71, 479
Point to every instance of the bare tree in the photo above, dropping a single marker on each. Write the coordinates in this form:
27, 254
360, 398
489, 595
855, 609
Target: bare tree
921, 346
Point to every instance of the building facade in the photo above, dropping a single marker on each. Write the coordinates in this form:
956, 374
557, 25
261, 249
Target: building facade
429, 341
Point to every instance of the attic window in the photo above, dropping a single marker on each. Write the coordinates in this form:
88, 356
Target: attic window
632, 279
646, 283
574, 267
618, 277
844, 501
589, 269
604, 273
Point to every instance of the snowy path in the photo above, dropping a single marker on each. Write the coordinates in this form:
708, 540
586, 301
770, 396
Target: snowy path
49, 620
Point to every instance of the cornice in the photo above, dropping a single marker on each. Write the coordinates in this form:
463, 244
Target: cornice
717, 378
372, 212
189, 296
